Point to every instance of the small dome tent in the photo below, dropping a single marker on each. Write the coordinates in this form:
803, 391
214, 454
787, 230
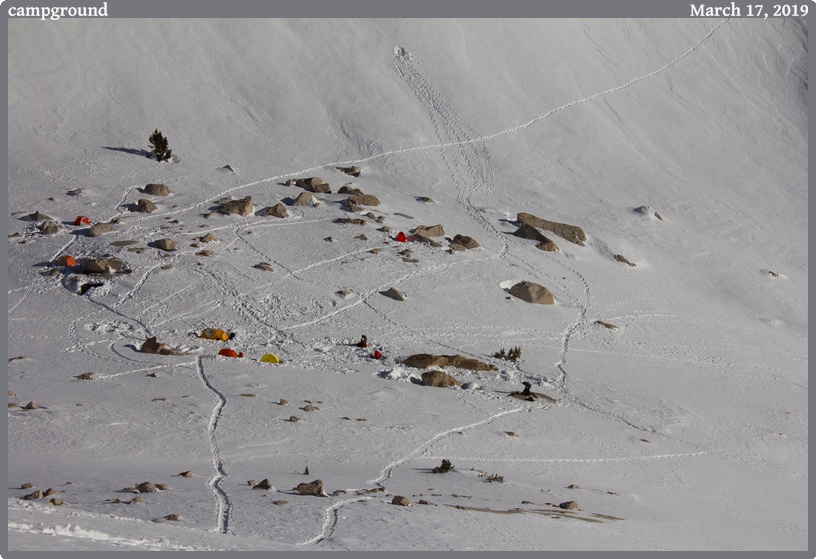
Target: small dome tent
230, 353
212, 334
270, 358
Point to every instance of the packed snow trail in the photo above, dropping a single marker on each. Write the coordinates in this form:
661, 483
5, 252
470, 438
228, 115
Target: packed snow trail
469, 163
332, 513
331, 519
400, 53
386, 472
224, 502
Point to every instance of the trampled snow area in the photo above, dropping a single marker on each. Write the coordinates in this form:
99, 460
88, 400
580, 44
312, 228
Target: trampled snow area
684, 428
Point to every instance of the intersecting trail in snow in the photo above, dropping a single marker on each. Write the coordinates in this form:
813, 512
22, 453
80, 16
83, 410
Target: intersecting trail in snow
668, 386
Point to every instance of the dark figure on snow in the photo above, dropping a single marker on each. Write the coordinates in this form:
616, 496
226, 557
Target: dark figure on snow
363, 342
526, 391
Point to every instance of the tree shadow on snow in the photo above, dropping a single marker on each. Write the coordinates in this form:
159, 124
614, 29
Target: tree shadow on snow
131, 151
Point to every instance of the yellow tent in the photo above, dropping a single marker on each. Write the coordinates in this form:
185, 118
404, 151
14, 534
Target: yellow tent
212, 334
269, 358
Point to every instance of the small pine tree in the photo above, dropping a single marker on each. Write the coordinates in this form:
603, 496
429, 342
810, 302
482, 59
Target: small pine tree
445, 467
499, 354
159, 144
514, 354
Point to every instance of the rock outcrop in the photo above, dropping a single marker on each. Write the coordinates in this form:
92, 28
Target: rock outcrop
313, 488
527, 231
621, 258
146, 487
438, 379
278, 210
425, 360
314, 184
265, 485
156, 190
465, 241
144, 206
394, 294
153, 345
532, 293
95, 266
572, 233
165, 244
351, 191
98, 228
432, 231
305, 199
242, 207
364, 200
353, 171
49, 228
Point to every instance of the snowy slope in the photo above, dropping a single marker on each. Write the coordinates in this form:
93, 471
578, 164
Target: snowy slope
681, 427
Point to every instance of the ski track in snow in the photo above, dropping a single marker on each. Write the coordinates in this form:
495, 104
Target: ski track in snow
64, 247
617, 459
471, 170
23, 298
332, 517
332, 512
386, 472
224, 501
402, 57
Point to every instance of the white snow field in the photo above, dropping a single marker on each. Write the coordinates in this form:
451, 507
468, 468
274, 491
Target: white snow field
684, 428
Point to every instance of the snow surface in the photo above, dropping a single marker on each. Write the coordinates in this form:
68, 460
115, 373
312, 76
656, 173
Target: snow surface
685, 428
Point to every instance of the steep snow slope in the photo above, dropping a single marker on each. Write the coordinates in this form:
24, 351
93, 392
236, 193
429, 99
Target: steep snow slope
680, 426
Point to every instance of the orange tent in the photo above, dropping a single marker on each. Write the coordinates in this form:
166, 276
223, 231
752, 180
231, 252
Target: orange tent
212, 334
66, 260
229, 353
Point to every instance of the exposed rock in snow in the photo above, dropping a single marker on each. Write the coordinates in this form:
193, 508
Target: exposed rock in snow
354, 171
242, 207
394, 294
313, 488
438, 379
144, 206
572, 233
532, 293
432, 231
155, 189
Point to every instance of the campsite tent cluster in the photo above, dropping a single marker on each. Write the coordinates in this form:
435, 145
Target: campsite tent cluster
220, 335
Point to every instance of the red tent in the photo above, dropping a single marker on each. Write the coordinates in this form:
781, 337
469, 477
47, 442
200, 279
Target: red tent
401, 237
81, 219
229, 353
